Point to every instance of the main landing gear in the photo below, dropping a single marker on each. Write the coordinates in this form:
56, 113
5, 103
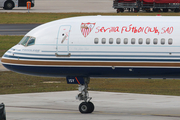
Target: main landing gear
86, 106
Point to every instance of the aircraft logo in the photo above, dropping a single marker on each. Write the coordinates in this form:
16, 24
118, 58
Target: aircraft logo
86, 28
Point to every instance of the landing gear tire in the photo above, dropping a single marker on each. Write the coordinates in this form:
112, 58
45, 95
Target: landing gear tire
92, 107
86, 107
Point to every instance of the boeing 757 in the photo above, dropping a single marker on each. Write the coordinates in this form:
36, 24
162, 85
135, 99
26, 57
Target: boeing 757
79, 48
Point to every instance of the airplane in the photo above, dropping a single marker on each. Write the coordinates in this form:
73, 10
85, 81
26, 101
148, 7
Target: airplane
80, 48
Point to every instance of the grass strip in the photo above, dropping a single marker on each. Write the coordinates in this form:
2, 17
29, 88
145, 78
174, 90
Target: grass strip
6, 42
30, 18
12, 83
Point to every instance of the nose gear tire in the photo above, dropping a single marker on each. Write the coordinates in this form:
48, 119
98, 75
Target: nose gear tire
86, 107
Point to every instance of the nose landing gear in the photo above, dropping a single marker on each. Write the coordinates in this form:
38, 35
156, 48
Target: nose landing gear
86, 106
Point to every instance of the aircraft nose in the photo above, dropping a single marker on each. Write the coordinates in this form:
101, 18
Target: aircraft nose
1, 66
10, 52
7, 58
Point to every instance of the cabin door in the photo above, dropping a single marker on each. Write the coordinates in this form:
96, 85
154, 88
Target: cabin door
62, 45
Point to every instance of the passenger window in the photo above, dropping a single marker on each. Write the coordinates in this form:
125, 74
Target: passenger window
110, 40
103, 40
162, 41
125, 40
140, 41
155, 41
96, 40
118, 41
31, 41
133, 40
148, 41
170, 41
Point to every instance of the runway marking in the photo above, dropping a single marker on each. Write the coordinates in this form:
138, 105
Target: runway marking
40, 108
44, 112
165, 115
95, 113
71, 111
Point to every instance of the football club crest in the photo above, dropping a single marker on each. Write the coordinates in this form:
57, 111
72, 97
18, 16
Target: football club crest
86, 28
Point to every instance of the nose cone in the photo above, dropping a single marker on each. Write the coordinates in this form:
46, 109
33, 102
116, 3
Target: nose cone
8, 58
4, 60
2, 68
15, 59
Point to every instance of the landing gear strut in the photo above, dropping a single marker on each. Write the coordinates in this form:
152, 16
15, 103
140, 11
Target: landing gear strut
86, 106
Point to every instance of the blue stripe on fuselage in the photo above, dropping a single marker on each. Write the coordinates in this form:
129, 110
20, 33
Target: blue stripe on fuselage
52, 55
93, 59
96, 71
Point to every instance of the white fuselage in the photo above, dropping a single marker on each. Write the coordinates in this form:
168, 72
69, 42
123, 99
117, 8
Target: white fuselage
101, 46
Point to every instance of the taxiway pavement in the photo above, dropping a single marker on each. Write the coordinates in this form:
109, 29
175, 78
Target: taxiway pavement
16, 29
108, 106
65, 6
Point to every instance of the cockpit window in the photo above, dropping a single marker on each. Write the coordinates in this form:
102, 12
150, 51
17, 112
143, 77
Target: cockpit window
27, 41
31, 41
24, 40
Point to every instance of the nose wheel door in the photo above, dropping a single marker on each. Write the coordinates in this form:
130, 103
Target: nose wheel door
62, 45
